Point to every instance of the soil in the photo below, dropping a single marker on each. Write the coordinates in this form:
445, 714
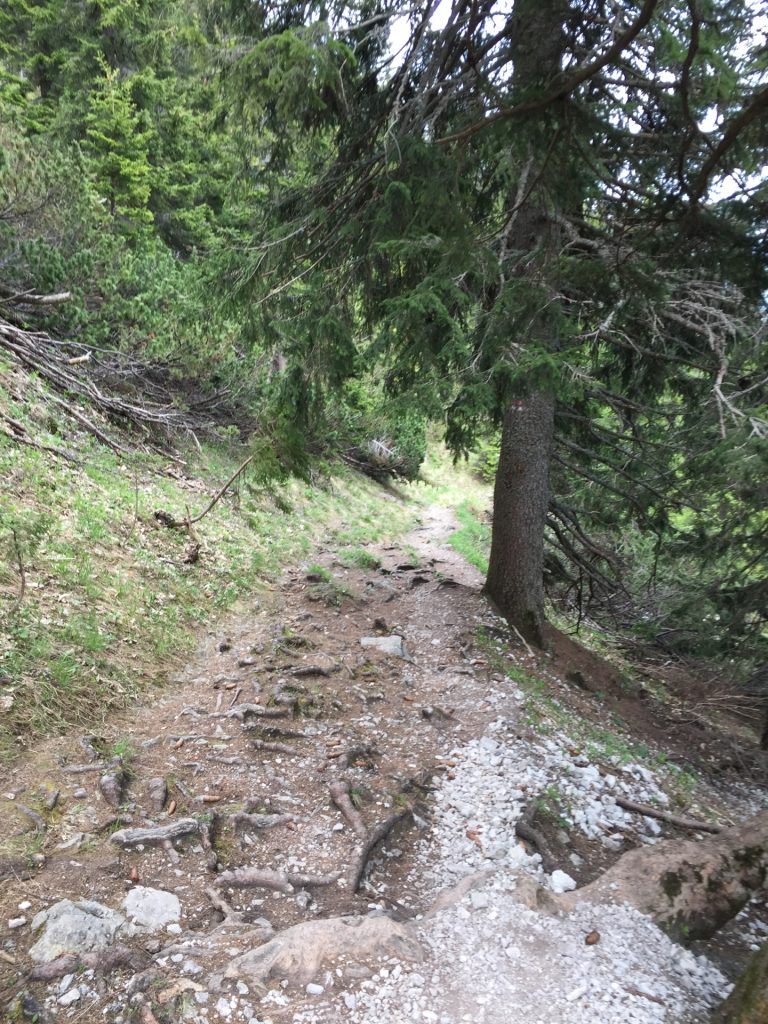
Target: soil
280, 701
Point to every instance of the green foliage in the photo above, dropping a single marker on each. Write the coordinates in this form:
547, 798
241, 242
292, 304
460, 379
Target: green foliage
117, 149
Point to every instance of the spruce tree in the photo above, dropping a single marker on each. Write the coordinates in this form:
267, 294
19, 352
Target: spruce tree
518, 206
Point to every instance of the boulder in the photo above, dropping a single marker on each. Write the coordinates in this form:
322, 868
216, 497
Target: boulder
81, 927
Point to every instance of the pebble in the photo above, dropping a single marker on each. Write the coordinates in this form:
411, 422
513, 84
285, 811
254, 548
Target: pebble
17, 922
25, 905
313, 989
69, 997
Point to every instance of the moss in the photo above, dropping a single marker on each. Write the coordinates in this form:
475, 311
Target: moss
671, 885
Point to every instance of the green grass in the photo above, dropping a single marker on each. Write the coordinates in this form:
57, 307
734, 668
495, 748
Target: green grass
111, 604
358, 558
473, 538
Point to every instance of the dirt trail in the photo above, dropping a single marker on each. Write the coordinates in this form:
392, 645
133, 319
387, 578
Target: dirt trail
288, 748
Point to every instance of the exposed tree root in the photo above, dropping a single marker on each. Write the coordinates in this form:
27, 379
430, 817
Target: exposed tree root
653, 812
104, 961
174, 830
279, 881
297, 953
340, 795
689, 888
527, 831
373, 839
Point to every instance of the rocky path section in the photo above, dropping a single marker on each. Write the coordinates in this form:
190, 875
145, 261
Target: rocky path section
332, 817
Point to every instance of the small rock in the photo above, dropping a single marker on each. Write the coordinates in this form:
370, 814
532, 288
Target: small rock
479, 900
314, 989
80, 793
152, 909
111, 786
394, 645
17, 922
25, 905
593, 938
69, 997
223, 1008
562, 882
350, 1000
158, 793
65, 983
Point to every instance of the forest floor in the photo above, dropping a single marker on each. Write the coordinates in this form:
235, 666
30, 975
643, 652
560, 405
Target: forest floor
296, 773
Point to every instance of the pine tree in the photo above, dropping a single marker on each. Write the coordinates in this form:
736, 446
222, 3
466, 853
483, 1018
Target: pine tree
117, 146
519, 207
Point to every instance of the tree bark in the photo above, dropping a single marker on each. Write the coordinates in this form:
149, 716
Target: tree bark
515, 581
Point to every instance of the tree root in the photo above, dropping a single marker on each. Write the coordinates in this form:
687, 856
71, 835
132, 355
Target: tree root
279, 881
259, 821
653, 812
373, 839
174, 830
297, 953
339, 791
527, 831
103, 961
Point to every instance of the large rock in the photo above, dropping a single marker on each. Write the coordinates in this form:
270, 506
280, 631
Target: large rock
87, 926
691, 887
80, 927
151, 909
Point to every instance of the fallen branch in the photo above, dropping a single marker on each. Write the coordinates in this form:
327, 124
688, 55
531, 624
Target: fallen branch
653, 812
170, 521
22, 576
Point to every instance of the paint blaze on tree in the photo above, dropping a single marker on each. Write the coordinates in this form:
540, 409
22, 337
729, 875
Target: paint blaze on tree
512, 211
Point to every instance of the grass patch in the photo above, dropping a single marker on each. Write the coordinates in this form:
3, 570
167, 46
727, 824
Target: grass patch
473, 538
358, 558
112, 601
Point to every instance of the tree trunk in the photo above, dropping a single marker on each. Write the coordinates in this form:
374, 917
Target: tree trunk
748, 1003
515, 580
532, 244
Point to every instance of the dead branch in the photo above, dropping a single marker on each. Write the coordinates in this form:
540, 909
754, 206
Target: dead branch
653, 812
170, 521
339, 791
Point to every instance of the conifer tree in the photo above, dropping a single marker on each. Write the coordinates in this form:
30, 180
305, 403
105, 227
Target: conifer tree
519, 206
117, 144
